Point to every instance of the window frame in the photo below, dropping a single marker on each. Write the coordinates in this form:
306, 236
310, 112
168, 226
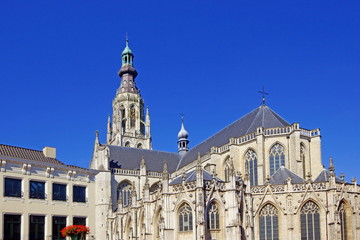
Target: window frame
269, 222
13, 194
39, 194
76, 196
213, 217
53, 192
310, 228
10, 227
185, 218
32, 223
56, 234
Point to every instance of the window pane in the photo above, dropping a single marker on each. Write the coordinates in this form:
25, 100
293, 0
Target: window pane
79, 194
12, 187
57, 225
12, 224
79, 221
37, 190
59, 192
37, 226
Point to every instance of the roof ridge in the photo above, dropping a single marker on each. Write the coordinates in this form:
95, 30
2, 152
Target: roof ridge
253, 121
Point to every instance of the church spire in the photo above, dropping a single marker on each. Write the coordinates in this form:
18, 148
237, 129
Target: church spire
183, 141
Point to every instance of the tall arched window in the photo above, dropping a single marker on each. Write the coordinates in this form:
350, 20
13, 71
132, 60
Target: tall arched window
227, 169
302, 158
310, 221
185, 218
132, 116
251, 161
124, 191
277, 158
213, 217
269, 228
344, 222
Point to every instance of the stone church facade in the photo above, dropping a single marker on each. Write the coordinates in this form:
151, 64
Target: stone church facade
258, 178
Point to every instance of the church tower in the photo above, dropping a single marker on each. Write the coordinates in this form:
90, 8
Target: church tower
130, 125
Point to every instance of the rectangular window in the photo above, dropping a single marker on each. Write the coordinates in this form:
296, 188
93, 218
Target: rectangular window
79, 221
37, 190
12, 227
79, 194
58, 223
37, 228
12, 187
59, 192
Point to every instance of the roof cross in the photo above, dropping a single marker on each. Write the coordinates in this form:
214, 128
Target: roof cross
263, 95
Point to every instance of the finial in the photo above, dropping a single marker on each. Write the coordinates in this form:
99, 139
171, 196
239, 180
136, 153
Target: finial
331, 167
263, 95
97, 133
127, 39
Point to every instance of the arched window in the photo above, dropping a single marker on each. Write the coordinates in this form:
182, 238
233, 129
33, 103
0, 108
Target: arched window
139, 146
251, 162
213, 217
155, 187
185, 218
132, 116
124, 191
228, 168
127, 144
344, 223
310, 222
269, 228
277, 158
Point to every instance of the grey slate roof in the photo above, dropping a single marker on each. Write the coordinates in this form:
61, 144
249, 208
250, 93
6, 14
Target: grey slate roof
262, 116
130, 158
191, 177
282, 174
26, 154
324, 177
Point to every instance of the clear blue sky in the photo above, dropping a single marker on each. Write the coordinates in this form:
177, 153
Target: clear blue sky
59, 62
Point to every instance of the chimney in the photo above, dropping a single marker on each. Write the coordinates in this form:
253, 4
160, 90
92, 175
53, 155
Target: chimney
49, 152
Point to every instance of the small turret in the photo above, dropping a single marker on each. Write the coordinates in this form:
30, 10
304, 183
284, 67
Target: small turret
183, 141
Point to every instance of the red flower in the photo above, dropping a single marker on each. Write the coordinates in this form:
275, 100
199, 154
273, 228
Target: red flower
74, 230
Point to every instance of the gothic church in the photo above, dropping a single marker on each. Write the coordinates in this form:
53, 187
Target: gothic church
260, 178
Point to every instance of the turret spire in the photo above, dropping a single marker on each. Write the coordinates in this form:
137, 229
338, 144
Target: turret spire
183, 141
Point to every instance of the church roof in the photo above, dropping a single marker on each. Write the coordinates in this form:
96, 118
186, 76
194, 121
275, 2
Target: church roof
282, 174
26, 154
130, 158
191, 177
262, 116
324, 177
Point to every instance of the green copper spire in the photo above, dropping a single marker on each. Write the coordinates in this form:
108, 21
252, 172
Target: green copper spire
127, 56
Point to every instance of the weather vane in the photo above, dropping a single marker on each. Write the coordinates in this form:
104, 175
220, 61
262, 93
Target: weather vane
263, 95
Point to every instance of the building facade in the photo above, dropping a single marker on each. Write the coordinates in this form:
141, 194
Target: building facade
260, 178
41, 195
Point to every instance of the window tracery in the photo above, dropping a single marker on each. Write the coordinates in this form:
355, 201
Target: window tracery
269, 228
277, 158
251, 162
185, 218
310, 221
124, 192
213, 217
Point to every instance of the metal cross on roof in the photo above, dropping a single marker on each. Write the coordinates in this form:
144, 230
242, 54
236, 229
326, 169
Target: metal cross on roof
263, 95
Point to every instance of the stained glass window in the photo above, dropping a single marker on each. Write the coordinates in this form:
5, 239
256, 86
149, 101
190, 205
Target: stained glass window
277, 158
251, 161
310, 222
124, 190
269, 228
185, 218
213, 217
